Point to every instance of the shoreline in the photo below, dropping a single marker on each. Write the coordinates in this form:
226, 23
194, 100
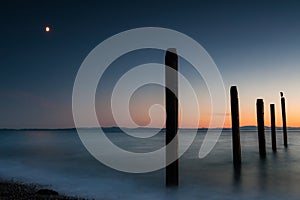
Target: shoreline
11, 189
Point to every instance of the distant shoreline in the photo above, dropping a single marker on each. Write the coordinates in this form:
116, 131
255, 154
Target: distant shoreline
118, 129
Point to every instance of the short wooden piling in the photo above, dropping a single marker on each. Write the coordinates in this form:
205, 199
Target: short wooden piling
235, 124
261, 127
284, 120
273, 127
171, 76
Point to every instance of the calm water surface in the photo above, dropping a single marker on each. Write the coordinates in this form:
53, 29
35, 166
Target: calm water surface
59, 160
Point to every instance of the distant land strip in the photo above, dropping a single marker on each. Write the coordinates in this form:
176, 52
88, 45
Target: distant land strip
118, 129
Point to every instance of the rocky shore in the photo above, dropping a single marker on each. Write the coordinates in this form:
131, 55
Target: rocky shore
10, 190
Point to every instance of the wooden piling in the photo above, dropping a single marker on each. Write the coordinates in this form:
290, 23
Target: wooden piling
235, 124
283, 120
171, 78
261, 127
273, 127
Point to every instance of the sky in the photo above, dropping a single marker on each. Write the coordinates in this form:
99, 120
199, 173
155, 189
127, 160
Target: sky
255, 44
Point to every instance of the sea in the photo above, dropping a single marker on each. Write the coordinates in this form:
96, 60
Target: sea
57, 159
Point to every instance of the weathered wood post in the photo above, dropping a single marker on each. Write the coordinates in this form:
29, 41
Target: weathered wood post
235, 124
171, 78
283, 120
273, 127
261, 127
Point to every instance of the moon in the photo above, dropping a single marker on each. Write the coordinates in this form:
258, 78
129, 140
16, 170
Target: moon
47, 29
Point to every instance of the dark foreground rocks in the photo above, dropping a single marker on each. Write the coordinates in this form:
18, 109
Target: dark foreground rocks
47, 192
10, 190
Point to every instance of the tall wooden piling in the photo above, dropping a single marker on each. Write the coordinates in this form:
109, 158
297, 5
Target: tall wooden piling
261, 127
171, 78
235, 124
283, 120
273, 127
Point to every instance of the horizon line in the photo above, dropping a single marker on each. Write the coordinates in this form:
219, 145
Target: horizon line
117, 127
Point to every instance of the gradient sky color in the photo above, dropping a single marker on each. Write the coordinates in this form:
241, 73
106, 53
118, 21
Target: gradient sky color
255, 44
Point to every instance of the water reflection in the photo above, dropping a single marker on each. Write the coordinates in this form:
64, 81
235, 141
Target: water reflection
237, 177
262, 175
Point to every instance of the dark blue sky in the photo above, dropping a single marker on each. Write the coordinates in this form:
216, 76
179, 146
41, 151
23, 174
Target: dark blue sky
254, 44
